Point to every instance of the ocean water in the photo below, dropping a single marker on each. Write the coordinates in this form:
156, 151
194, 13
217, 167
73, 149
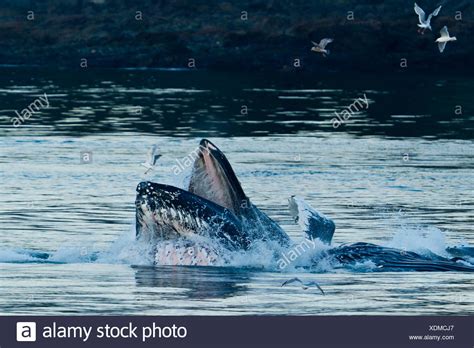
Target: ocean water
399, 173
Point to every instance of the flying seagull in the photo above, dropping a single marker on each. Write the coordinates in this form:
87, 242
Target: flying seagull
152, 158
425, 23
321, 46
304, 286
444, 39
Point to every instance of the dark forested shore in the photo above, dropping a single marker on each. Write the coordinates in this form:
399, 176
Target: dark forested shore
250, 35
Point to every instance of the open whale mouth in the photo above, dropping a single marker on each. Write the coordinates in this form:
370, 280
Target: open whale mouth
214, 179
165, 212
213, 211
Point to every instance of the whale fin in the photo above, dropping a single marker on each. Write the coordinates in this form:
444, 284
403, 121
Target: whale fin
313, 223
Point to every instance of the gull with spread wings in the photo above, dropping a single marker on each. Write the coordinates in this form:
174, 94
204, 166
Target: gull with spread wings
425, 22
321, 46
304, 286
444, 39
152, 158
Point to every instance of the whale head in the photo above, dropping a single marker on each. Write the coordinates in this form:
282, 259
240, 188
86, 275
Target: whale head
213, 209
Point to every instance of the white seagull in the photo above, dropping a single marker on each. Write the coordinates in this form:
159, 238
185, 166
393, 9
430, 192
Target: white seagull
304, 286
444, 39
425, 23
152, 158
321, 46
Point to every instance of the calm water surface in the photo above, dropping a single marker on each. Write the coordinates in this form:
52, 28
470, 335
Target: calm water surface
398, 174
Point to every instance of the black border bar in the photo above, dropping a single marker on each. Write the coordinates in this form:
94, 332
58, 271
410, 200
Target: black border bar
254, 331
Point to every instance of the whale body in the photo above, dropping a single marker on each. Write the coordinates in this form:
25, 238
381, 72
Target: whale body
212, 217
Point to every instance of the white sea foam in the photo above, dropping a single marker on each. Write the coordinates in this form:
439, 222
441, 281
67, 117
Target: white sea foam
11, 255
68, 254
260, 254
127, 250
420, 239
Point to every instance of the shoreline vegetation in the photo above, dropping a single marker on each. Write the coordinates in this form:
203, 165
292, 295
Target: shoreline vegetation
249, 35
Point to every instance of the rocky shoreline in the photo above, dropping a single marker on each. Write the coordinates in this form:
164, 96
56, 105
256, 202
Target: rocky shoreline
246, 35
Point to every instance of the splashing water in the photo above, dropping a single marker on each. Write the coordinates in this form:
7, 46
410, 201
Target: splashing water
261, 254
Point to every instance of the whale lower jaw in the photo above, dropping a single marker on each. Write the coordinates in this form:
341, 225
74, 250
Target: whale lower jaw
167, 213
